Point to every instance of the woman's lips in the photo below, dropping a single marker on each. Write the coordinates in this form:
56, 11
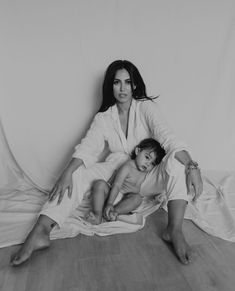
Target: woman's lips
122, 95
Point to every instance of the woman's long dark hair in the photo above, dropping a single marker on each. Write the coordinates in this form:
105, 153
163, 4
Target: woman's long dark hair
137, 83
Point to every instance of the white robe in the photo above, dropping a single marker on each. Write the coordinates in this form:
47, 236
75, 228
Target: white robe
145, 120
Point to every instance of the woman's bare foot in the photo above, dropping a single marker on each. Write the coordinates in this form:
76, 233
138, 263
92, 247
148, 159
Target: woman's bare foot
183, 251
93, 218
38, 239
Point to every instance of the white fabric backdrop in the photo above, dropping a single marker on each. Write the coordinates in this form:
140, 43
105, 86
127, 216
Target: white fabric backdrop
54, 53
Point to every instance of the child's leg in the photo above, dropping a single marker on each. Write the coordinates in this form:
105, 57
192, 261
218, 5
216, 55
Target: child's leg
128, 203
100, 192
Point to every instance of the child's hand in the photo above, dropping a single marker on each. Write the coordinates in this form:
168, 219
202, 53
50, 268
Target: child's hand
108, 208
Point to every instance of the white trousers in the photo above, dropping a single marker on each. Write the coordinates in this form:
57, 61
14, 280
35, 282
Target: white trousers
162, 179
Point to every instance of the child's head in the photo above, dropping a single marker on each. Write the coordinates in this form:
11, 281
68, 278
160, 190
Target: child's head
147, 154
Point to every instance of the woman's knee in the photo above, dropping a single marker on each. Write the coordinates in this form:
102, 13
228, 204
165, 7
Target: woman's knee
173, 167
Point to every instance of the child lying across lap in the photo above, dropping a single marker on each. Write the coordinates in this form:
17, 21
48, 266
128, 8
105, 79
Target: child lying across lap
122, 195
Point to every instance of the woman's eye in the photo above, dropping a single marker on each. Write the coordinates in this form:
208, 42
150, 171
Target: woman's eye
128, 82
115, 82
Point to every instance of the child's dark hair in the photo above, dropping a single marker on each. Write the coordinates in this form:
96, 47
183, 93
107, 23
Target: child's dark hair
151, 144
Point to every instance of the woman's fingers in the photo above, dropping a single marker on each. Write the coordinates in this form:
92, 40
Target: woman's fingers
188, 184
60, 189
61, 195
70, 190
198, 190
194, 183
53, 193
57, 192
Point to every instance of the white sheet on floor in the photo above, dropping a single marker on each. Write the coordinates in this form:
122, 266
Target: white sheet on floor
21, 199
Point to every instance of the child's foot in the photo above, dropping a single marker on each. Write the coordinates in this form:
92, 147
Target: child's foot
113, 215
93, 218
183, 251
38, 239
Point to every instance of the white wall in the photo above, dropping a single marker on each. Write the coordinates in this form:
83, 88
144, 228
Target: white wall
54, 54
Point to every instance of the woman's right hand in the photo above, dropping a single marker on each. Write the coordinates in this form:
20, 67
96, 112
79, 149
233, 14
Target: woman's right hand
64, 183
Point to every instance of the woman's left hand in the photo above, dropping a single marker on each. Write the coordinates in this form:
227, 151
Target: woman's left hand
194, 181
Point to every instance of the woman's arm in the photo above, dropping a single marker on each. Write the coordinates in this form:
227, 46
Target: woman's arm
193, 174
161, 131
87, 153
92, 145
183, 157
65, 181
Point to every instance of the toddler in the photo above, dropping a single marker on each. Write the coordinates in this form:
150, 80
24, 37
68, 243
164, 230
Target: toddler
121, 195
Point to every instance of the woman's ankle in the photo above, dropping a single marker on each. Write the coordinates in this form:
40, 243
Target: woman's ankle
45, 224
174, 229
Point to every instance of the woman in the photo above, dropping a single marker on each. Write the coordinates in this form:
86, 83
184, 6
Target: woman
127, 115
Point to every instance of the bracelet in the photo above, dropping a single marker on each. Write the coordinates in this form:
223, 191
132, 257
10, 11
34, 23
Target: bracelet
192, 165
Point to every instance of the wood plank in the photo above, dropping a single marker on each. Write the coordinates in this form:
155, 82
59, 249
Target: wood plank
136, 261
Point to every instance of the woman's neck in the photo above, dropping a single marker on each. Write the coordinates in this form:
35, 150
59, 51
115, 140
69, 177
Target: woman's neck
123, 108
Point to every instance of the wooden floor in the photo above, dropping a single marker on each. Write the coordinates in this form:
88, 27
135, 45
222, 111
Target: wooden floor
139, 261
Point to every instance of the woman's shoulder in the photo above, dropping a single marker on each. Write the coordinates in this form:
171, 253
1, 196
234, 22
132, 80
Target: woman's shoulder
105, 113
148, 105
102, 115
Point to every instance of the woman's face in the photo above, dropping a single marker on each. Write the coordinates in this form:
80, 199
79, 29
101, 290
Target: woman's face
122, 89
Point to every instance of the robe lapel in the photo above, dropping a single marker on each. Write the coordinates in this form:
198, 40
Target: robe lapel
118, 128
131, 126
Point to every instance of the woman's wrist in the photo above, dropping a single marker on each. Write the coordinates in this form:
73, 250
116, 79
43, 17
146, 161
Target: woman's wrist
190, 166
73, 165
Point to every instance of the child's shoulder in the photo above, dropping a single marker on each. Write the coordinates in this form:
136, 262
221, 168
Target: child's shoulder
127, 165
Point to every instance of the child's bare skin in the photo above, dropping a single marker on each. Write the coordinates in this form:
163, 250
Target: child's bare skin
113, 215
94, 218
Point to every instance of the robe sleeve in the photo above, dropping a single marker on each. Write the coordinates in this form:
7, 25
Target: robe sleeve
92, 145
159, 128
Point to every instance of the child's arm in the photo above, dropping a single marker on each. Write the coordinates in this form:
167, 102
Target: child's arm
117, 184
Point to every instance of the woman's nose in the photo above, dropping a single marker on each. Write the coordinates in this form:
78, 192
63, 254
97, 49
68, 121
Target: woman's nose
122, 87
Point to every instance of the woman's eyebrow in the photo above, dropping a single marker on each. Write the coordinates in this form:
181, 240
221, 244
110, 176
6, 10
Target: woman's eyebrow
116, 79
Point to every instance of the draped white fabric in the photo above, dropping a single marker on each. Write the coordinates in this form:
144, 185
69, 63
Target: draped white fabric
53, 55
21, 200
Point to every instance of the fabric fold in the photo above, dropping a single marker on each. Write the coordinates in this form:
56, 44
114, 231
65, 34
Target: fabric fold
21, 200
